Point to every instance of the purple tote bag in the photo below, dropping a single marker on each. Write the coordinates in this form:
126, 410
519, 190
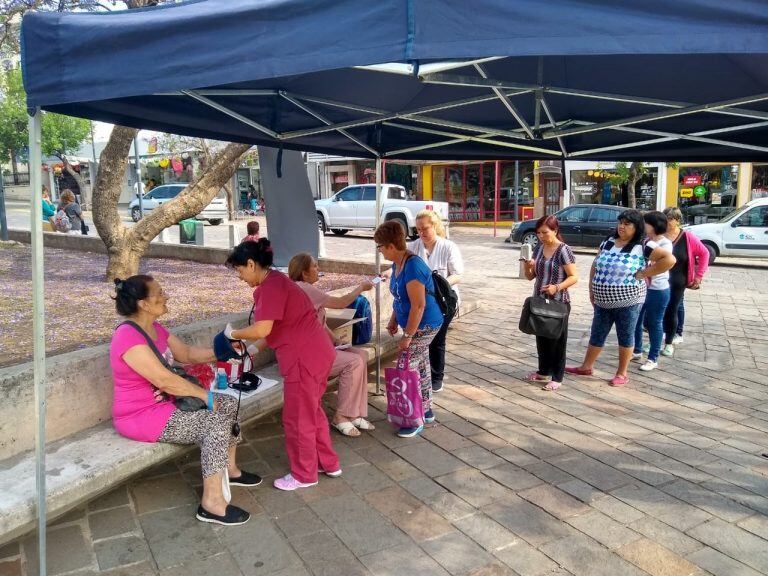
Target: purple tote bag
404, 406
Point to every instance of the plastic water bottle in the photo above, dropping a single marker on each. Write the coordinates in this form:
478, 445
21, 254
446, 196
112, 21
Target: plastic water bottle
221, 379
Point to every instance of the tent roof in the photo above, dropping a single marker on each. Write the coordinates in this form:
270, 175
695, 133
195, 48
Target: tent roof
429, 79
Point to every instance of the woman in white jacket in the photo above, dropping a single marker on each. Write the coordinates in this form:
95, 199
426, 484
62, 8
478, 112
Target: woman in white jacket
443, 256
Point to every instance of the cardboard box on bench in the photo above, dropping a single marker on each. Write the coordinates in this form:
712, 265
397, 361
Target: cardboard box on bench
340, 322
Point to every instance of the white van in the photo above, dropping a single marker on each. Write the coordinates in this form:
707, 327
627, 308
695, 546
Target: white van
743, 232
214, 213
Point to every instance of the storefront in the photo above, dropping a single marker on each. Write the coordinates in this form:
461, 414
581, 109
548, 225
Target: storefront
706, 193
759, 181
596, 183
470, 190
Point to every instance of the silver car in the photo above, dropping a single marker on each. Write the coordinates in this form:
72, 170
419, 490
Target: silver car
214, 213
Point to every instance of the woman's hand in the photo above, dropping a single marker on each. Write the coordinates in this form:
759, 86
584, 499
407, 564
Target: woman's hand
392, 327
404, 343
696, 284
366, 285
550, 289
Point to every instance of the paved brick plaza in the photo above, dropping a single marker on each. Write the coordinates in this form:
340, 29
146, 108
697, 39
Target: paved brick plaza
663, 477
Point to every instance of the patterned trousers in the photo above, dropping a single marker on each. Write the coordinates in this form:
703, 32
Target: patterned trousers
419, 351
212, 431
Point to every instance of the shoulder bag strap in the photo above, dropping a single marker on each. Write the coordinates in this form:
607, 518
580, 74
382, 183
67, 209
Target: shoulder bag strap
151, 344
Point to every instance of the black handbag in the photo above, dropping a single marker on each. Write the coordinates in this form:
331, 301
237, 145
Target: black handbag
542, 315
183, 403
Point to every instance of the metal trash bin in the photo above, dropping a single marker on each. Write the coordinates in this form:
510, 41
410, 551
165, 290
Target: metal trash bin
191, 232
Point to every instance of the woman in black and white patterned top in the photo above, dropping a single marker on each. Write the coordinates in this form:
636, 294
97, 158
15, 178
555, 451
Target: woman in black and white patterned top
554, 269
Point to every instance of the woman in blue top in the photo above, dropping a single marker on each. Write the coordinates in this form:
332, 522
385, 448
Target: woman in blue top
415, 309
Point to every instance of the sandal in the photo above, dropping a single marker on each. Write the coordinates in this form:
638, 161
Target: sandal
551, 386
234, 516
578, 370
536, 377
363, 424
346, 428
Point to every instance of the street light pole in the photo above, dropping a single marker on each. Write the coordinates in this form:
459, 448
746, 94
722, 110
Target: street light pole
3, 220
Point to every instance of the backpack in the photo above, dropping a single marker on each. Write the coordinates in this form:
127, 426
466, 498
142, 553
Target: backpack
62, 222
361, 331
446, 296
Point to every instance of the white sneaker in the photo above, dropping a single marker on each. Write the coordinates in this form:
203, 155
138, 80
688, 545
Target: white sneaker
637, 357
677, 339
668, 350
649, 365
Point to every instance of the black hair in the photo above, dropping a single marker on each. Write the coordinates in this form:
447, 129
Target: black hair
260, 252
129, 292
635, 217
657, 220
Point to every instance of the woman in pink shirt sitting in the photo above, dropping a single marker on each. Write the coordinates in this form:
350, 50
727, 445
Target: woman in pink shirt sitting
143, 407
351, 365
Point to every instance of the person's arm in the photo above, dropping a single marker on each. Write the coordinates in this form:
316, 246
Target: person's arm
701, 260
530, 269
339, 302
143, 361
455, 266
255, 331
591, 277
661, 261
187, 354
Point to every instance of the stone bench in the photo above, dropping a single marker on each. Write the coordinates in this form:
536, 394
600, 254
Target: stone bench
85, 457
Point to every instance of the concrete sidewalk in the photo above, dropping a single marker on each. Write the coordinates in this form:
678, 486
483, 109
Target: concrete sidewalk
662, 477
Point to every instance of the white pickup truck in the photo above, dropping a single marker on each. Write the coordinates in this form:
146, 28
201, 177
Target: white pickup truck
354, 208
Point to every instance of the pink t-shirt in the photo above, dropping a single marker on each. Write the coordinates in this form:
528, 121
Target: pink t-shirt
318, 297
135, 413
297, 336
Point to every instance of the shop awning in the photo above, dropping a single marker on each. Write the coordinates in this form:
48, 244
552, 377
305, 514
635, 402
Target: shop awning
429, 79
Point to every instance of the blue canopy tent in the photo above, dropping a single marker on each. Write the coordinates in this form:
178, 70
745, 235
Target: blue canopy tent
401, 79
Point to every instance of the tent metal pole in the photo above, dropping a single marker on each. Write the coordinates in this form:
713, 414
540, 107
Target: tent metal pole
138, 174
383, 115
38, 322
507, 104
378, 273
496, 195
663, 115
551, 119
230, 113
472, 138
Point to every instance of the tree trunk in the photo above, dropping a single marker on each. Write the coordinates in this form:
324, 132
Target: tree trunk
126, 246
230, 201
634, 176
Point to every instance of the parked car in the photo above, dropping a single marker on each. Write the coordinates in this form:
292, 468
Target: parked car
214, 213
580, 225
354, 208
743, 232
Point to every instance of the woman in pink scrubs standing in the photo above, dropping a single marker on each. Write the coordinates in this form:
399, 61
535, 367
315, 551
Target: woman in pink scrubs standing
284, 316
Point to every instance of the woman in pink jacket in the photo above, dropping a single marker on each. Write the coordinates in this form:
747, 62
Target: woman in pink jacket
692, 262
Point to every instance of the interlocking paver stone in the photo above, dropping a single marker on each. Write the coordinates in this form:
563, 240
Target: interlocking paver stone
430, 459
581, 555
111, 522
669, 537
488, 533
513, 477
66, 550
662, 506
525, 560
719, 564
403, 559
554, 501
529, 522
655, 559
735, 542
473, 486
221, 565
122, 551
603, 529
457, 553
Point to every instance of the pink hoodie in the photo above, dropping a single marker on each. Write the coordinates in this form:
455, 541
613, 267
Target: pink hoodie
698, 257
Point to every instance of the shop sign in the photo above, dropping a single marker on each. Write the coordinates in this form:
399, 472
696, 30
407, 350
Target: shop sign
692, 180
341, 178
700, 191
717, 199
686, 192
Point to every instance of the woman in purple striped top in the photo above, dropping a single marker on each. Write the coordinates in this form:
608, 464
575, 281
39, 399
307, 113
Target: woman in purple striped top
553, 266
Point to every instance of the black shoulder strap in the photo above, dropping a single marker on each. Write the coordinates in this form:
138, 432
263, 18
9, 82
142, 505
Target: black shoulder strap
149, 340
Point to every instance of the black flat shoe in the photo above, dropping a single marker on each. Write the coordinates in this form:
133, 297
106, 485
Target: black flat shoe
245, 479
234, 517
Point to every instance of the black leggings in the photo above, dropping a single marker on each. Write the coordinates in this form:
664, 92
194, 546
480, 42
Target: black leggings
552, 353
437, 353
676, 293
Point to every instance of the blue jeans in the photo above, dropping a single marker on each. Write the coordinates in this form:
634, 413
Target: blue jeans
604, 319
653, 312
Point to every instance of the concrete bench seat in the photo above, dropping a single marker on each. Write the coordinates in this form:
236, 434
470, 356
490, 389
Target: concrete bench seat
89, 461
